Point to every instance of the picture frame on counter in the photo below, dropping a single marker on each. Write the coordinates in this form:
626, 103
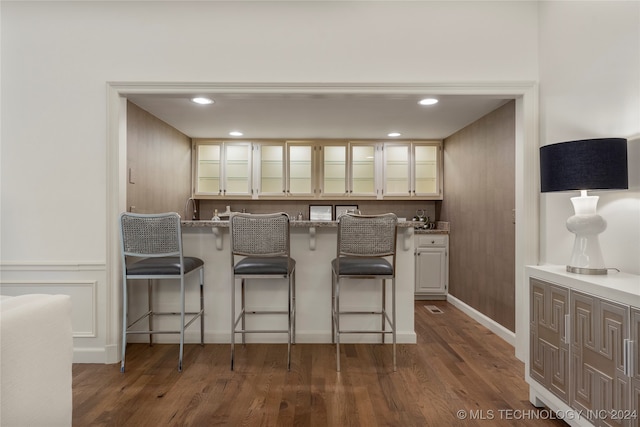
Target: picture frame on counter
343, 209
320, 212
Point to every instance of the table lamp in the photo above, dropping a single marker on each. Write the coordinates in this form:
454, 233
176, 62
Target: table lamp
588, 164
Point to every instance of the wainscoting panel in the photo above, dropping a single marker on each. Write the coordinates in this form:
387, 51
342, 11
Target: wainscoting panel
83, 300
94, 301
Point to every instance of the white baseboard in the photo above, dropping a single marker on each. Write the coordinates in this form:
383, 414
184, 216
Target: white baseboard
485, 321
309, 337
91, 355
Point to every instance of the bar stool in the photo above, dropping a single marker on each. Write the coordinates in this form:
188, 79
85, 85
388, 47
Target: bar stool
151, 248
366, 250
263, 242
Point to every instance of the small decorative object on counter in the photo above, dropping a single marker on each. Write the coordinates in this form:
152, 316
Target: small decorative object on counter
215, 215
300, 217
427, 224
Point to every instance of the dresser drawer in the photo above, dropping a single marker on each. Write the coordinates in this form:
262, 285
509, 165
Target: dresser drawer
432, 240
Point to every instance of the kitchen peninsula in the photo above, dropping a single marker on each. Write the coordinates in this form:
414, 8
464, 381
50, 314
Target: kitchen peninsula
313, 246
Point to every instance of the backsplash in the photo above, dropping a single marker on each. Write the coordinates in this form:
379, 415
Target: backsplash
402, 208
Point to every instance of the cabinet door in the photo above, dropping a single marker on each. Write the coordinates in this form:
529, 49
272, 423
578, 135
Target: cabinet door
599, 382
634, 360
549, 345
426, 170
397, 171
223, 168
334, 170
271, 170
237, 169
208, 173
300, 170
431, 270
363, 169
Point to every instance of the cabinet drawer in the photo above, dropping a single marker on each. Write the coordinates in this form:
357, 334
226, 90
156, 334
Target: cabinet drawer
432, 240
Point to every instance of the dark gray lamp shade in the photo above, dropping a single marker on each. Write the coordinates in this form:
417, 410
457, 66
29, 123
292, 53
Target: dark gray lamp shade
587, 164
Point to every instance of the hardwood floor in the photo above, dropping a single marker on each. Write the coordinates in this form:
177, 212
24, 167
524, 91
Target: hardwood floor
457, 365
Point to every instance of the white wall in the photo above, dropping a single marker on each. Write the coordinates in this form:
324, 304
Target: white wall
57, 58
590, 88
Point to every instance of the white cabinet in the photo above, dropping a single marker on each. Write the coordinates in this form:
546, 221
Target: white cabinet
397, 170
332, 169
427, 170
301, 169
363, 170
432, 266
269, 169
222, 169
316, 169
412, 170
583, 355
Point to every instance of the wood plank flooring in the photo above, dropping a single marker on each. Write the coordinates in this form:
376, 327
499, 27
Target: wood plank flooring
457, 365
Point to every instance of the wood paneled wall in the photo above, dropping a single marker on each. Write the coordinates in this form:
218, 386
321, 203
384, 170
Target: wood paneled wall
159, 161
479, 202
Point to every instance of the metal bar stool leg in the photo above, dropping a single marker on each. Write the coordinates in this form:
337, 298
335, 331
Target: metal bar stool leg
243, 311
202, 306
233, 319
293, 308
384, 309
393, 303
290, 325
150, 307
338, 324
181, 324
125, 308
333, 307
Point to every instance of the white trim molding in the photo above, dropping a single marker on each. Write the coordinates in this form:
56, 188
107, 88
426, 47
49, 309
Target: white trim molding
52, 266
84, 305
485, 321
525, 93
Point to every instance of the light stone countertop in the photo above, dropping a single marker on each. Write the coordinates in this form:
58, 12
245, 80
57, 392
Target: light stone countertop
322, 224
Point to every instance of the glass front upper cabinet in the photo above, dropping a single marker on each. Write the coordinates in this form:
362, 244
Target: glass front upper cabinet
427, 170
334, 170
301, 169
318, 169
223, 168
397, 170
208, 176
363, 169
413, 169
270, 159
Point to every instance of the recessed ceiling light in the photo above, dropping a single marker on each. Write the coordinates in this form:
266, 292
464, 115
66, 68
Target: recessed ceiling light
202, 101
394, 134
235, 133
428, 101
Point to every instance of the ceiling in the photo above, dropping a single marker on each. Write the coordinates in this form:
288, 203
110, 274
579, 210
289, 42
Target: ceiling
317, 115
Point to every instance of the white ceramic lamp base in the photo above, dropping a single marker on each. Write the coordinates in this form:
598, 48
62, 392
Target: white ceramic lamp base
586, 224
